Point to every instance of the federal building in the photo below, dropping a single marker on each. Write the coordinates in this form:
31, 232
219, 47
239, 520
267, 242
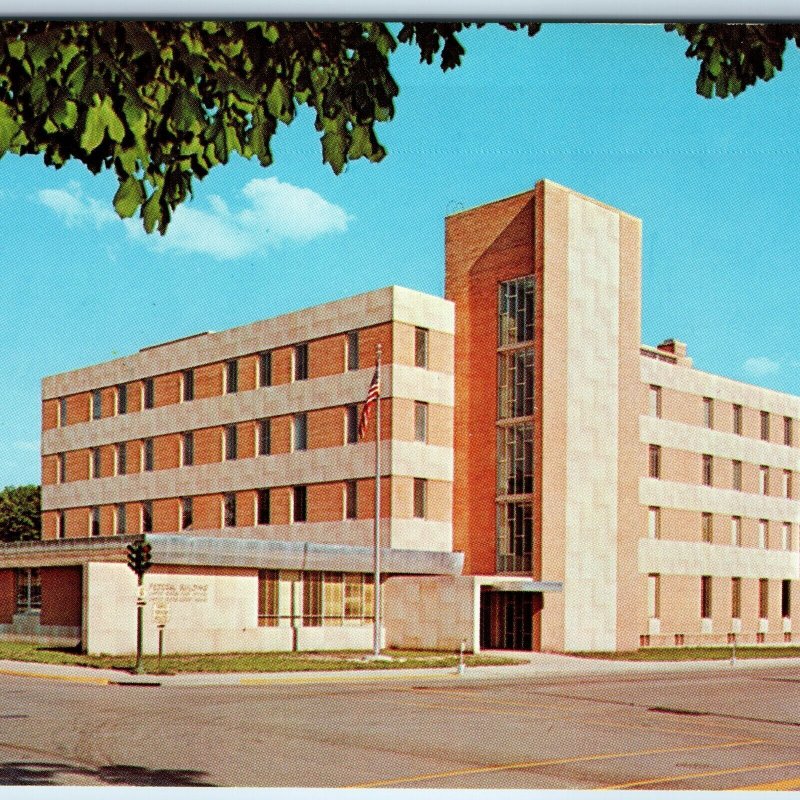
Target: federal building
548, 482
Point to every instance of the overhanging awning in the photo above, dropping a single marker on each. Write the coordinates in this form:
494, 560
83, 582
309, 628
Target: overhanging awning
526, 586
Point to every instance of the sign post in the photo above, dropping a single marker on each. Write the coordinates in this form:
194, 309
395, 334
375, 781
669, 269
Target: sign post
160, 617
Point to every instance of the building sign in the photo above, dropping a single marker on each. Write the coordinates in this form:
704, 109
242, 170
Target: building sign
179, 592
160, 613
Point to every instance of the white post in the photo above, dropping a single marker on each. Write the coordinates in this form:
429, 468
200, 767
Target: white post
377, 588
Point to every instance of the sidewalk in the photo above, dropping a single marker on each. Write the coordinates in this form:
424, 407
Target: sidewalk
535, 666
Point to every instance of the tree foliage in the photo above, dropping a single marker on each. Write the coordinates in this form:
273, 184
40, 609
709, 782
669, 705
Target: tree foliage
162, 103
20, 513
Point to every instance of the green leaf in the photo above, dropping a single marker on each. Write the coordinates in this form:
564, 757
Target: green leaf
151, 211
16, 49
8, 128
94, 128
334, 146
129, 197
112, 122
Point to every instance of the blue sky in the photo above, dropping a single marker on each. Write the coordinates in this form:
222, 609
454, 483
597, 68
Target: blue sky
608, 110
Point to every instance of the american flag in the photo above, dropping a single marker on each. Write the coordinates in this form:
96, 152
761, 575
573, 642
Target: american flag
373, 393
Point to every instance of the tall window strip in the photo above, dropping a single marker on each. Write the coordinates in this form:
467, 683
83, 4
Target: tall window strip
653, 523
421, 422
62, 412
654, 461
787, 484
654, 401
708, 470
786, 536
736, 531
97, 404
262, 507
148, 458
122, 399
737, 419
705, 597
420, 498
707, 527
187, 385
229, 510
300, 432
268, 587
336, 599
312, 599
265, 369
264, 435
515, 539
148, 393
120, 459
515, 467
737, 476
94, 521
120, 520
28, 584
351, 424
788, 431
231, 376
786, 599
708, 412
61, 525
765, 425
187, 449
300, 362
147, 516
515, 383
352, 351
515, 311
763, 480
231, 441
654, 596
61, 468
736, 598
763, 534
350, 499
299, 504
187, 513
763, 598
94, 462
421, 347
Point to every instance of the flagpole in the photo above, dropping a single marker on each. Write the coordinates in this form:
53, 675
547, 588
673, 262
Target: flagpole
377, 557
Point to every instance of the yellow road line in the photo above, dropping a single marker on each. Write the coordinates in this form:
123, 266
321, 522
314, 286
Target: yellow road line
50, 676
357, 676
777, 786
677, 778
548, 763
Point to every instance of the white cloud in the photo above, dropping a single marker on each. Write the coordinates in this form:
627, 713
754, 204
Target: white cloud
76, 209
761, 366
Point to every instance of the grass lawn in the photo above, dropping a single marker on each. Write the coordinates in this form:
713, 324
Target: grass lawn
246, 662
697, 653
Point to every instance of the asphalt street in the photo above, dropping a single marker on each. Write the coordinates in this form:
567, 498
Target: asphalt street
720, 729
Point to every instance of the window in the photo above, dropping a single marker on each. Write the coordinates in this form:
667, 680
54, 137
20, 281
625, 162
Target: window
229, 510
737, 476
515, 459
120, 459
705, 596
97, 404
300, 432
737, 420
515, 537
62, 412
654, 596
351, 425
94, 521
231, 377
654, 401
350, 500
61, 468
352, 351
262, 507
187, 510
420, 498
312, 598
265, 369
788, 432
765, 425
708, 470
787, 483
187, 385
300, 362
230, 442
299, 504
653, 523
29, 589
148, 393
61, 525
708, 412
94, 462
515, 311
763, 598
187, 449
786, 599
763, 534
268, 587
736, 531
763, 480
264, 436
122, 399
421, 347
120, 520
147, 455
654, 461
736, 598
515, 383
147, 516
421, 422
786, 536
708, 527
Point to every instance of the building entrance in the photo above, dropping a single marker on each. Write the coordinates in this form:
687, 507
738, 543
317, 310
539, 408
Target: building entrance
507, 619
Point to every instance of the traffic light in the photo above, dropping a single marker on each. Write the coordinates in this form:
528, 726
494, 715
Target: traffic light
139, 557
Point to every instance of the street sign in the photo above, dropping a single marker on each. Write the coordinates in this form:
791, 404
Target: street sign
140, 594
160, 613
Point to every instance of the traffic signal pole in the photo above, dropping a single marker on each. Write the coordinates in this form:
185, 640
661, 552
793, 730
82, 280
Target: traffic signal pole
139, 626
139, 561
